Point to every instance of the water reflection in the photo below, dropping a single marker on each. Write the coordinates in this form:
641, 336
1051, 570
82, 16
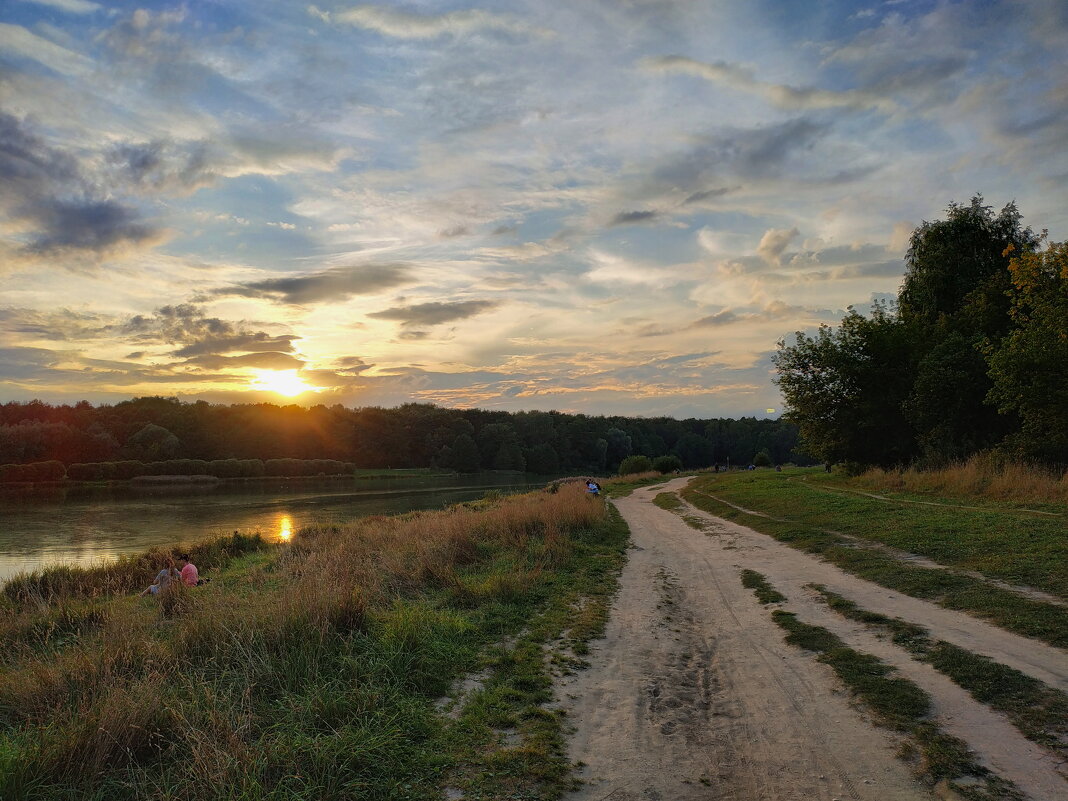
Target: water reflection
87, 524
285, 528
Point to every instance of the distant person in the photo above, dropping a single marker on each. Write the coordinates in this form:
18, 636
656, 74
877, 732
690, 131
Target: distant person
190, 574
778, 468
593, 487
163, 579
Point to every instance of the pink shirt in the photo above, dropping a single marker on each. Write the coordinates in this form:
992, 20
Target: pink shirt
190, 575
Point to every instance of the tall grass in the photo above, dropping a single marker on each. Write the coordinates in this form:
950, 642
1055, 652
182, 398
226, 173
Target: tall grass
302, 671
983, 475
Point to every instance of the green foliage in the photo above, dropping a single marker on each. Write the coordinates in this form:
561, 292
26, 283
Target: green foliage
635, 464
1028, 367
464, 455
845, 387
970, 357
667, 464
762, 459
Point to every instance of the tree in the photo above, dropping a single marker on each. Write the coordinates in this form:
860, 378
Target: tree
464, 457
844, 388
955, 293
1027, 367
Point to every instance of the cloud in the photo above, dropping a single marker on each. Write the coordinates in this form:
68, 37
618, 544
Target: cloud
330, 286
57, 207
774, 242
632, 217
199, 335
435, 313
16, 40
261, 361
405, 25
776, 310
70, 6
62, 325
102, 226
779, 95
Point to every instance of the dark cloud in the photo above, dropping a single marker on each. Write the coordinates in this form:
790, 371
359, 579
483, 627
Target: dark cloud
204, 340
633, 217
95, 226
49, 192
457, 230
713, 320
707, 194
435, 313
163, 165
353, 365
63, 325
266, 361
332, 285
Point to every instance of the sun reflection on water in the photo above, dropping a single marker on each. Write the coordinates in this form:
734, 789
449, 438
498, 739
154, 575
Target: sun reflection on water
285, 528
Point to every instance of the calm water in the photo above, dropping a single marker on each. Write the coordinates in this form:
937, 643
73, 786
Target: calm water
82, 525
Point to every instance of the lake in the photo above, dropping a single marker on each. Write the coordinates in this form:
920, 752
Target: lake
85, 525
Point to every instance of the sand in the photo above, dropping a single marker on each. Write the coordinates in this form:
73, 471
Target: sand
693, 694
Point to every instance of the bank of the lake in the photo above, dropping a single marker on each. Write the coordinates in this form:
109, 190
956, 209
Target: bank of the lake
84, 524
316, 668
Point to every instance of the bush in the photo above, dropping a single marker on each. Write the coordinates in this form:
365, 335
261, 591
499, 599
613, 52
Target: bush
635, 464
762, 459
665, 464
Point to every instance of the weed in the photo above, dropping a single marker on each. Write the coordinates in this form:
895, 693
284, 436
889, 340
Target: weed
765, 593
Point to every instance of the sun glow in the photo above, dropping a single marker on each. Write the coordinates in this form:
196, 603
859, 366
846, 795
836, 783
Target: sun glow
284, 382
285, 528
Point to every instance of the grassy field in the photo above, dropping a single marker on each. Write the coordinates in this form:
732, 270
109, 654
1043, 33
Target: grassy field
826, 514
314, 669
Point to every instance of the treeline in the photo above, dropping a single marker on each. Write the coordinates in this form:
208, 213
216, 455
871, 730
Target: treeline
167, 436
971, 358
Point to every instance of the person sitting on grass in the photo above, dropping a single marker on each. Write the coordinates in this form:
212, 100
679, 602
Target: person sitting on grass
163, 579
190, 575
593, 487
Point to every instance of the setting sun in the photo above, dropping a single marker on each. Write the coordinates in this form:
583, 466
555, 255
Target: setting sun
284, 382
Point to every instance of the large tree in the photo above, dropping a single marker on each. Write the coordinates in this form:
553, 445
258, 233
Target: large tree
845, 386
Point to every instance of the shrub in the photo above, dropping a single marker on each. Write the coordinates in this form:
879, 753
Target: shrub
762, 459
635, 464
665, 464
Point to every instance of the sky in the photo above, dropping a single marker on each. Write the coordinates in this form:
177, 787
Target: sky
610, 207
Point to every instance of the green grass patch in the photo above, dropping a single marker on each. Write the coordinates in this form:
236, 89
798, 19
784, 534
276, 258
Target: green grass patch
996, 538
1039, 712
764, 592
1010, 610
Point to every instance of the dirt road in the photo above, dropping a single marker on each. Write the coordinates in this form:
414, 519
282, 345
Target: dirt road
694, 695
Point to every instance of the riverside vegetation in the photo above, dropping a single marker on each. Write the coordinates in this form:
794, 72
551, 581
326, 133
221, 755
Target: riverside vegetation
322, 668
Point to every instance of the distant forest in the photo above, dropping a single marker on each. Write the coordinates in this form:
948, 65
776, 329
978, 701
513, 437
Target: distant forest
971, 358
135, 437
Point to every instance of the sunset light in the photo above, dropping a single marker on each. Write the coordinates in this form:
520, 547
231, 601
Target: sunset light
284, 382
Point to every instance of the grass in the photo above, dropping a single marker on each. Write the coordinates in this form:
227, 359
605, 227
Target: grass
993, 541
311, 670
765, 593
980, 476
1039, 712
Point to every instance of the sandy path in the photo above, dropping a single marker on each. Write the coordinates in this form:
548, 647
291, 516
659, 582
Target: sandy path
694, 695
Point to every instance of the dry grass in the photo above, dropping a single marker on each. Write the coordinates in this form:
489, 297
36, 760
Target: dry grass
102, 684
983, 475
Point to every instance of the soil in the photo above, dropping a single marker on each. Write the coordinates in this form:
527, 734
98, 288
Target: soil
693, 694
